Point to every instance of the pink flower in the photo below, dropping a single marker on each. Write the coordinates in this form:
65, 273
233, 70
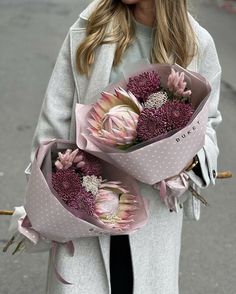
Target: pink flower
170, 116
113, 119
176, 84
67, 159
143, 85
85, 162
115, 206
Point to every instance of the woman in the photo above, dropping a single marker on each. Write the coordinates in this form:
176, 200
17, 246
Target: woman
107, 36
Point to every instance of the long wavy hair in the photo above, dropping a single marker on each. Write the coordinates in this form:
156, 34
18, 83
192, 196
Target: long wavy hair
174, 40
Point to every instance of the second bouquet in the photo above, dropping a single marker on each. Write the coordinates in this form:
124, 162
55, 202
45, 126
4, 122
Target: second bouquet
72, 194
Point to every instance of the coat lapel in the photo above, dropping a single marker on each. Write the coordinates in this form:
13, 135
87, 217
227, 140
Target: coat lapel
88, 90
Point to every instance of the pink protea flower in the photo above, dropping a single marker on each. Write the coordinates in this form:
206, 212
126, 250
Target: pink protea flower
115, 206
176, 84
67, 184
143, 85
113, 119
170, 116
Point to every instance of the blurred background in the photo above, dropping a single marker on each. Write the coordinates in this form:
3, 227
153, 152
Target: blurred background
31, 33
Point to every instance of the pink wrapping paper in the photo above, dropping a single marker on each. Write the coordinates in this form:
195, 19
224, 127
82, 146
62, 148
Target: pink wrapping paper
49, 216
161, 158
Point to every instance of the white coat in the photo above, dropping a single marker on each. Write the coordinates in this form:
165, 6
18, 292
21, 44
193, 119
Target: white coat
155, 249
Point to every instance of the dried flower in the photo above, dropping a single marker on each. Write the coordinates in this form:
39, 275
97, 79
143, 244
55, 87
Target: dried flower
156, 100
113, 119
91, 184
170, 116
176, 84
68, 158
143, 85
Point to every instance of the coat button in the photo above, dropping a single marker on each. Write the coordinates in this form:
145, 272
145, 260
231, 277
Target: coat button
214, 173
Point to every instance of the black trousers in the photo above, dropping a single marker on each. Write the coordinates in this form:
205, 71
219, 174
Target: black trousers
121, 265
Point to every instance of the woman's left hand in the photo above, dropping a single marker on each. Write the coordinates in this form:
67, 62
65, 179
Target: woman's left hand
185, 169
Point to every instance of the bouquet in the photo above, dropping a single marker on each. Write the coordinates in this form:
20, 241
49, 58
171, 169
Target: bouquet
151, 124
72, 194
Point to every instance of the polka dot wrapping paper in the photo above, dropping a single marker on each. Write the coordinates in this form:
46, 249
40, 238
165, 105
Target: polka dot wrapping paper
52, 219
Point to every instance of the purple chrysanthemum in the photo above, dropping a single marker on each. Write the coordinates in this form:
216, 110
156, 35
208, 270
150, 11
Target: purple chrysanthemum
84, 201
143, 85
170, 116
67, 184
66, 181
91, 166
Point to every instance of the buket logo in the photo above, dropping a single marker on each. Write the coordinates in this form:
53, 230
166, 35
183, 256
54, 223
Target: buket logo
189, 132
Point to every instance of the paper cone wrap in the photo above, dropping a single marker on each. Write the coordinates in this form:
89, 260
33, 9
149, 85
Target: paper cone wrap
52, 219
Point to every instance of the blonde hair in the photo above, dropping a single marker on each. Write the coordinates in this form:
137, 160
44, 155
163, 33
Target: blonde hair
173, 41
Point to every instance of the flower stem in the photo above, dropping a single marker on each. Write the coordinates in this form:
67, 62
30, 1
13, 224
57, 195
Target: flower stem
6, 212
9, 243
198, 196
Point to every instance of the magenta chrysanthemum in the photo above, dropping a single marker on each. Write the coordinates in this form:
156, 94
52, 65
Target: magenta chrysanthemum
170, 116
143, 85
91, 165
86, 202
67, 184
66, 181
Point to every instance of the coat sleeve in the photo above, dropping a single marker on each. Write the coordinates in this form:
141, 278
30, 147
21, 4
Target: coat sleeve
54, 122
210, 68
55, 116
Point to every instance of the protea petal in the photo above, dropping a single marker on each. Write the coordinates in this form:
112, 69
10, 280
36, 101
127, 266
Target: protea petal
115, 206
113, 119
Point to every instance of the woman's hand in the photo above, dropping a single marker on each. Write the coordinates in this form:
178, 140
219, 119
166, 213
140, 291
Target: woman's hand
188, 167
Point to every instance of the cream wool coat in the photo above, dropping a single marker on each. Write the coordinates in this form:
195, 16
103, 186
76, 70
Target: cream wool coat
155, 249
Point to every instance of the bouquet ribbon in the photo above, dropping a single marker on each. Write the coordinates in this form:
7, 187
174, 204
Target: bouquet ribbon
24, 227
172, 189
71, 249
